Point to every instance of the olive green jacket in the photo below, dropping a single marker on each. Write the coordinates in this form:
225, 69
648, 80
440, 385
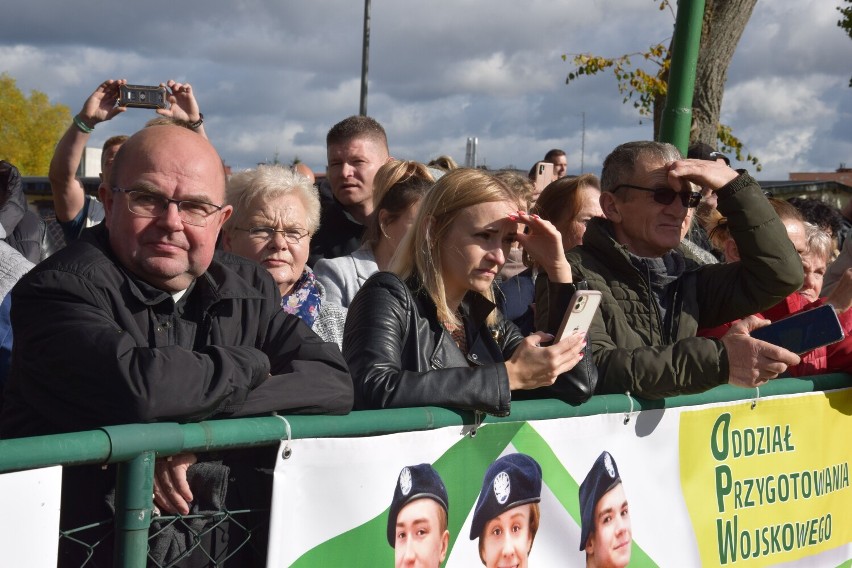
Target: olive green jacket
633, 349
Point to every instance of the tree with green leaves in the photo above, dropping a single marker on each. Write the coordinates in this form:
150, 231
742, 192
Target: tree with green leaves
642, 76
845, 22
30, 126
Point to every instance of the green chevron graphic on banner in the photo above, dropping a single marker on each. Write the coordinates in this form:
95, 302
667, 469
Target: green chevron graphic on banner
462, 468
562, 484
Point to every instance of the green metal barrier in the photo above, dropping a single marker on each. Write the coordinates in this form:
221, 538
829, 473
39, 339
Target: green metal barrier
135, 446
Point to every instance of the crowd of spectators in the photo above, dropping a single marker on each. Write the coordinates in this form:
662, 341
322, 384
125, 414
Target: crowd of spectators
186, 295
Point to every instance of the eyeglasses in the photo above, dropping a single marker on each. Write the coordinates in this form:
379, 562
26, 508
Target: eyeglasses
666, 195
147, 204
266, 234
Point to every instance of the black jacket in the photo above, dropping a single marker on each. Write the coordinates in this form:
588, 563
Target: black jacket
338, 233
24, 229
96, 346
401, 356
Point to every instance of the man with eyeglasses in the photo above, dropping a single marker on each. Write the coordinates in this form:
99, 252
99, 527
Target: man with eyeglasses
654, 298
141, 320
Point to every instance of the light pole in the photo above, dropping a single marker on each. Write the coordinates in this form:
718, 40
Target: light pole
365, 58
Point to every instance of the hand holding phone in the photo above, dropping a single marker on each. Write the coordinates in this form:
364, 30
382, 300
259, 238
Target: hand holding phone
803, 331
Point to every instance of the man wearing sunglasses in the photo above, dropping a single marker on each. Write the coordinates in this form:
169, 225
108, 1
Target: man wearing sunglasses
655, 298
141, 320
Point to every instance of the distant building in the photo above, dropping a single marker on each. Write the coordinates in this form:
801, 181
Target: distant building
841, 175
834, 188
90, 165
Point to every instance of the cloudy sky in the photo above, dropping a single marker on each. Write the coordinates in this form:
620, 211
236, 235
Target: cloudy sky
272, 77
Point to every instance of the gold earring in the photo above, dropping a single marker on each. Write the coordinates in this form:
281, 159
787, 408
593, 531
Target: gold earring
382, 228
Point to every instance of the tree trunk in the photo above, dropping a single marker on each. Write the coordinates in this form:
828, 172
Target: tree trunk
724, 23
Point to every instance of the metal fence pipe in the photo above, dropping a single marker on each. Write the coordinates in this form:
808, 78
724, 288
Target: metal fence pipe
676, 121
133, 508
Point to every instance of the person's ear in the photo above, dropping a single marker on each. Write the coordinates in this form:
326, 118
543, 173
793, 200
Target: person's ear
445, 544
383, 219
225, 214
732, 253
105, 195
611, 206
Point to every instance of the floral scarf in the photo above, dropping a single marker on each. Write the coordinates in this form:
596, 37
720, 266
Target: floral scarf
304, 301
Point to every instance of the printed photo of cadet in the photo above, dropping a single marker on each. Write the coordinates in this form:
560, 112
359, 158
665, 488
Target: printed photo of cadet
507, 514
417, 520
605, 532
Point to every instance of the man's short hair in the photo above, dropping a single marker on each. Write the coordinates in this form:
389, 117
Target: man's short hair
553, 154
621, 162
110, 142
357, 127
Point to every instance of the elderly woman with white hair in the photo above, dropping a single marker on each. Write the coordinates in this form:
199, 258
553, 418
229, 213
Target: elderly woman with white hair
276, 211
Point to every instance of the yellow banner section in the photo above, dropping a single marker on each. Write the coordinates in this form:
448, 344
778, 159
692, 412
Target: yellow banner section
768, 483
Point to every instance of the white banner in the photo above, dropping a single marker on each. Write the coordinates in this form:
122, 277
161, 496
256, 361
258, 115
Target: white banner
29, 524
685, 473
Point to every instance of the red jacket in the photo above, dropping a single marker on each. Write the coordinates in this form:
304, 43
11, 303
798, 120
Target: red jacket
830, 359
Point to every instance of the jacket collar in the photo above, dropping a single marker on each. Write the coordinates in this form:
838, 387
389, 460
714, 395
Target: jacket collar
217, 283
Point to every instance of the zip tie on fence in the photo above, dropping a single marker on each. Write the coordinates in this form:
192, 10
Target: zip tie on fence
627, 414
477, 422
756, 397
287, 450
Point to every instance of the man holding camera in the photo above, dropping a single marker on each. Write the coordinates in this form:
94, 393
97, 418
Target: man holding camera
74, 209
655, 299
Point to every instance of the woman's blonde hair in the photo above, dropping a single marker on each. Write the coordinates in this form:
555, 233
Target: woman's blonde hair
419, 253
398, 185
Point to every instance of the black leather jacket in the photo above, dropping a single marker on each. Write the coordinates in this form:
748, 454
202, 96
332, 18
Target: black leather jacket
399, 355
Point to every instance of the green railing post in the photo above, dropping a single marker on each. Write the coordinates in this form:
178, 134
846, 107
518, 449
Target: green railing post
133, 504
676, 121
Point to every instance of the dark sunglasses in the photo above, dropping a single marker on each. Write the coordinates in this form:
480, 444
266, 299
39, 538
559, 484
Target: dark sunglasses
666, 195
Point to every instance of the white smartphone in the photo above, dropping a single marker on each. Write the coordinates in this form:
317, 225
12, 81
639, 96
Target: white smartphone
578, 316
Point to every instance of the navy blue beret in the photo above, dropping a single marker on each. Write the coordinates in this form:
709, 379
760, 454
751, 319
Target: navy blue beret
415, 482
510, 481
601, 478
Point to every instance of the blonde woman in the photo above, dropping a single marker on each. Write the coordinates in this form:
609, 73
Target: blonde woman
427, 332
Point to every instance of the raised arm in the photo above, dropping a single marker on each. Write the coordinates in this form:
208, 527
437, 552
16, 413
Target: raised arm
68, 193
183, 105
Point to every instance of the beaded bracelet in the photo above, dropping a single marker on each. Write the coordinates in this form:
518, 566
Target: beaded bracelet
84, 128
197, 123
